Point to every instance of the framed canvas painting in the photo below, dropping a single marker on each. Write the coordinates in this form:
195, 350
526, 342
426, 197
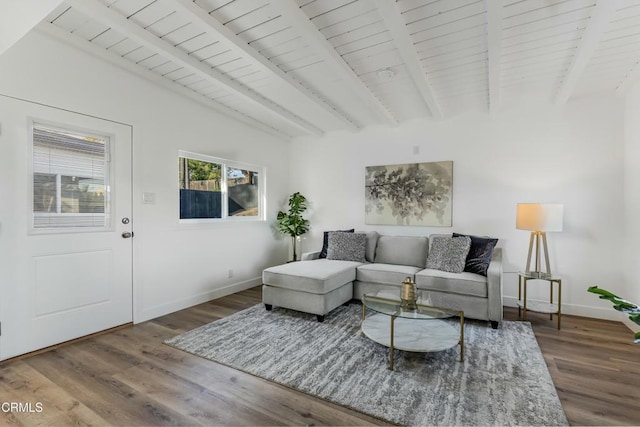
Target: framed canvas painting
410, 194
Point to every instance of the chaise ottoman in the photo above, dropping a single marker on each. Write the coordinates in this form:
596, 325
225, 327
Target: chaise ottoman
315, 287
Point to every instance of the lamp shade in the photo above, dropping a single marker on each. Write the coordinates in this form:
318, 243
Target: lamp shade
539, 216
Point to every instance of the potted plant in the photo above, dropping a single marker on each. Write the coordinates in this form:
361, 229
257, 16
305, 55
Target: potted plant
292, 222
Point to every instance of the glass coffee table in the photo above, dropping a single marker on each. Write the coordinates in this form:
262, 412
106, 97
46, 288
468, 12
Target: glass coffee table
417, 330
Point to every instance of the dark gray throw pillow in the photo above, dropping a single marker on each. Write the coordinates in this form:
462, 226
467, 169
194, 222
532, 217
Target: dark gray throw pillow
448, 253
347, 246
480, 254
325, 241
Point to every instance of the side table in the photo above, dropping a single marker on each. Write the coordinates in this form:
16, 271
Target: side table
540, 307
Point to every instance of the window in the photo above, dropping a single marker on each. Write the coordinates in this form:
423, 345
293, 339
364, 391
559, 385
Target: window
70, 178
212, 188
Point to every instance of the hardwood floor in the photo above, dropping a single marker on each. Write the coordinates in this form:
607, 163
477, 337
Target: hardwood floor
594, 365
129, 377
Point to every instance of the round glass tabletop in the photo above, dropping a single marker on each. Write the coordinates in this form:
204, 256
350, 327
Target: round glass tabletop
392, 307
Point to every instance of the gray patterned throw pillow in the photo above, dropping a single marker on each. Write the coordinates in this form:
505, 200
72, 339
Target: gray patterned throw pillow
347, 246
448, 253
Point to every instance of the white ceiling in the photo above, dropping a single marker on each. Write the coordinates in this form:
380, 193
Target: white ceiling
296, 67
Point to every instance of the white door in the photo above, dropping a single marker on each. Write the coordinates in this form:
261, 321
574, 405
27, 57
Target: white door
65, 211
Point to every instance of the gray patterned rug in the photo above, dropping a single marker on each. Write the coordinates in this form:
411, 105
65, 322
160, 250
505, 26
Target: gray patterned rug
502, 381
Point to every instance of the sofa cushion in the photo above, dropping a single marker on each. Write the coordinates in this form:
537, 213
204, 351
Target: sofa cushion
479, 256
385, 273
456, 283
401, 250
448, 253
325, 242
316, 277
372, 242
347, 246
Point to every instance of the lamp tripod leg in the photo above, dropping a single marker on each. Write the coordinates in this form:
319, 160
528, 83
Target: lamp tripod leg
546, 251
530, 251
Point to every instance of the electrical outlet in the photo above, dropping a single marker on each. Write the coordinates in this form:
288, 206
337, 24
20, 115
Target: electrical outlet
230, 273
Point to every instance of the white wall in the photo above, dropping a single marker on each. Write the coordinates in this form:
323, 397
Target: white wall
175, 265
18, 17
571, 155
632, 197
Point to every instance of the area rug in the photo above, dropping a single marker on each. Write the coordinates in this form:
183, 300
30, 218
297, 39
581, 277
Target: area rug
502, 381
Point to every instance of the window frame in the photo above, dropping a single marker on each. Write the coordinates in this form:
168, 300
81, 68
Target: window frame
224, 205
109, 223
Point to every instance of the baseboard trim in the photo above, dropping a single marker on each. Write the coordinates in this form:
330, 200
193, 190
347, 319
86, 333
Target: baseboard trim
163, 309
575, 310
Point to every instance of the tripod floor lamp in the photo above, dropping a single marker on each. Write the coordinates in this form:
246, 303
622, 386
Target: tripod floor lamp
539, 218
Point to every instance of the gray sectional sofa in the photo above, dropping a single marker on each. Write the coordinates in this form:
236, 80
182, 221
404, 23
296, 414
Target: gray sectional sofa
318, 286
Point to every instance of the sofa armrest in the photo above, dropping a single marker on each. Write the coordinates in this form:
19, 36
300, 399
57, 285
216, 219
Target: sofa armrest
494, 286
308, 256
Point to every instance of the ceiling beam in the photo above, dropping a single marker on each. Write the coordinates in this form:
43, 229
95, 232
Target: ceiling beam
134, 32
602, 13
298, 19
52, 30
208, 23
494, 51
402, 39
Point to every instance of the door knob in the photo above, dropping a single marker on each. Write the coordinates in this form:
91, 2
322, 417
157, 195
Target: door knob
127, 235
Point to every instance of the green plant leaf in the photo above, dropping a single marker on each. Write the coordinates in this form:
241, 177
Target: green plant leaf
604, 293
621, 305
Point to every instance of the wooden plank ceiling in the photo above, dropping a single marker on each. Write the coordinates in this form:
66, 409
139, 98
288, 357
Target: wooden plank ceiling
297, 67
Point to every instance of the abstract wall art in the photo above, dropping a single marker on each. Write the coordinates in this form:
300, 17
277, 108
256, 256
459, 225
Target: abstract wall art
410, 194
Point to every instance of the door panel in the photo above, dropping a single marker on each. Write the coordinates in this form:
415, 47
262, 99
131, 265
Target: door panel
58, 291
59, 284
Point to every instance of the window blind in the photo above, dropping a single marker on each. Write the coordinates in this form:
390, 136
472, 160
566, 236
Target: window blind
69, 179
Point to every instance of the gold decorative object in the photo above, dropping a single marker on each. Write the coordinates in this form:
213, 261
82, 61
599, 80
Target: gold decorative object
408, 294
